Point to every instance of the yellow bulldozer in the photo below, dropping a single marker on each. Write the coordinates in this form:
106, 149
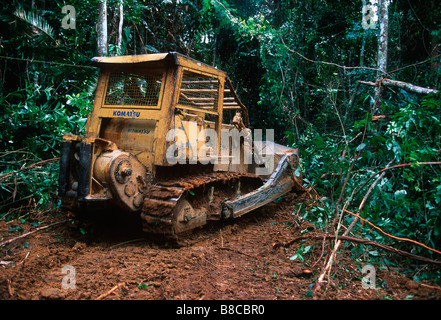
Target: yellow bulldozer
168, 139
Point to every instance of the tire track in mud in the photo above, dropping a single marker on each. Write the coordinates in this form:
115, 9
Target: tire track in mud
226, 260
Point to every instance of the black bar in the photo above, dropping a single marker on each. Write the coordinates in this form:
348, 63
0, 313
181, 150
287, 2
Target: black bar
84, 172
63, 178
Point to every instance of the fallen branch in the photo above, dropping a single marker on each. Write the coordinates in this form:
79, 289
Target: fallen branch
30, 232
400, 84
6, 175
109, 292
397, 166
391, 236
328, 266
363, 202
357, 240
357, 215
10, 291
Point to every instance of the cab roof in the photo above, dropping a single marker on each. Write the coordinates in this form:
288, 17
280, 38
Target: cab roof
145, 59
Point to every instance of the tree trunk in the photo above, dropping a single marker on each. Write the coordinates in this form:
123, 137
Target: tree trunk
102, 28
120, 25
363, 44
383, 19
434, 54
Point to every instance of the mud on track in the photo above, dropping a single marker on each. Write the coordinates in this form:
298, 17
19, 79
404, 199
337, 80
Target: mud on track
228, 260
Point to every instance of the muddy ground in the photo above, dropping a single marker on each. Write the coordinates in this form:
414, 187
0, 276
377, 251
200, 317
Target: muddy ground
234, 260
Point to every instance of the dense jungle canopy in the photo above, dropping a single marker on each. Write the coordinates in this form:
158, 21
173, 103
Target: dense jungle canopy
313, 70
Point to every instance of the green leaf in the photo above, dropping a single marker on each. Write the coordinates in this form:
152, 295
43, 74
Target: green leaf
374, 253
319, 142
297, 255
361, 146
400, 194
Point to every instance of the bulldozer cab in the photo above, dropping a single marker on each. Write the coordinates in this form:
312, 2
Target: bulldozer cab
139, 99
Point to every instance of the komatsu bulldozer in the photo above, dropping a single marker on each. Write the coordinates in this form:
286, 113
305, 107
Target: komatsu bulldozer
168, 139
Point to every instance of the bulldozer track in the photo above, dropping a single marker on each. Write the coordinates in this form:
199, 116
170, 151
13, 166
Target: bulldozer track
201, 194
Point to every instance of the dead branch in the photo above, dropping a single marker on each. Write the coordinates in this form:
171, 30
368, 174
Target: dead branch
10, 290
397, 166
363, 202
30, 232
340, 198
358, 240
110, 291
391, 236
338, 241
6, 175
323, 251
409, 87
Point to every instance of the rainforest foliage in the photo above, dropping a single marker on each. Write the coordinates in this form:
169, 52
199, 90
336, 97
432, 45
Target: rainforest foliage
297, 66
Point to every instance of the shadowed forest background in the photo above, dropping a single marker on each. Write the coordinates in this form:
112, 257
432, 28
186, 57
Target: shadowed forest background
309, 69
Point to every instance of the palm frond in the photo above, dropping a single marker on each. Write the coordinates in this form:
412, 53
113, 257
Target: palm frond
35, 21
